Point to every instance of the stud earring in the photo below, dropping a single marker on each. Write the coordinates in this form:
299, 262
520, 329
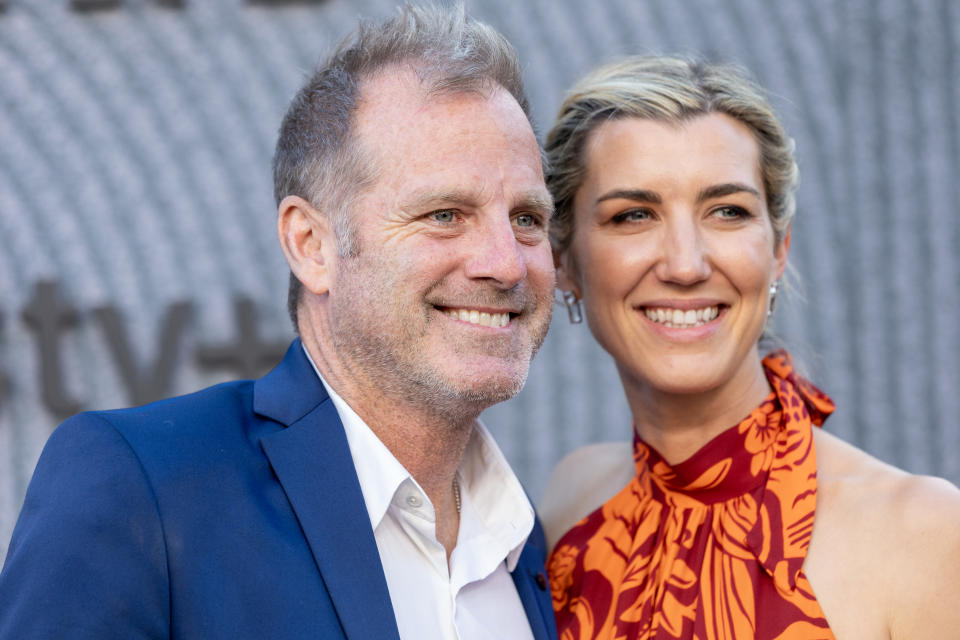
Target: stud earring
574, 310
774, 287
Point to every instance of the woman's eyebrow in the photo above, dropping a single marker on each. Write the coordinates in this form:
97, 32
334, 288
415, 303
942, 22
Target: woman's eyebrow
640, 195
726, 189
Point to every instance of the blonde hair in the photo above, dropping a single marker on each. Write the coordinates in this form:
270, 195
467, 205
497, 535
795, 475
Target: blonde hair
670, 90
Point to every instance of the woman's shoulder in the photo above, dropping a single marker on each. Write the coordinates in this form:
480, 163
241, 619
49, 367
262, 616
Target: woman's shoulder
582, 481
854, 477
896, 535
858, 488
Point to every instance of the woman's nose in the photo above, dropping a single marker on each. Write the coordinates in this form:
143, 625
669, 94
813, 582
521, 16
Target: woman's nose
684, 258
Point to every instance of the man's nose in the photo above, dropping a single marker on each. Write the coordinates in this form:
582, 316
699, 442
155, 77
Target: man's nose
684, 255
495, 253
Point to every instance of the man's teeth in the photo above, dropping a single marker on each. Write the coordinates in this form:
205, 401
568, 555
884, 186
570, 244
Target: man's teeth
480, 317
676, 318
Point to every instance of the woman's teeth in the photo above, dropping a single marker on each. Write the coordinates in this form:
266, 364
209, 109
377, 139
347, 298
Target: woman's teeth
678, 319
480, 317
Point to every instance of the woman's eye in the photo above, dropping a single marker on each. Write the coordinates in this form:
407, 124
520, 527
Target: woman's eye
443, 216
632, 215
731, 213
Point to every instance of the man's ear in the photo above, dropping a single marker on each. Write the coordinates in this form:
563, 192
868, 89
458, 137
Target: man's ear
782, 252
308, 243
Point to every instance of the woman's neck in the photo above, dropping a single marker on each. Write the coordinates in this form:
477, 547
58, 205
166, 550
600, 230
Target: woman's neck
677, 425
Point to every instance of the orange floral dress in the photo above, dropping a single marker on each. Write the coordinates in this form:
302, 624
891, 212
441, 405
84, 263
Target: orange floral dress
708, 549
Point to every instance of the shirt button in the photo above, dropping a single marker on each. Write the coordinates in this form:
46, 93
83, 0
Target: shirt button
414, 501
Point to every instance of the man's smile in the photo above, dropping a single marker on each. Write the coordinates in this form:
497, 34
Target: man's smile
483, 318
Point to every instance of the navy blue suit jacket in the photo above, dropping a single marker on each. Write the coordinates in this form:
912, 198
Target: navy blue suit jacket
234, 512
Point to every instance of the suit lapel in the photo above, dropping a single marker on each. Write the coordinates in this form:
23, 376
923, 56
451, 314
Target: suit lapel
311, 459
532, 587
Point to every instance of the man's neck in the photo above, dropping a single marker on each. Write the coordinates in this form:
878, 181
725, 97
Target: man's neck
431, 449
427, 439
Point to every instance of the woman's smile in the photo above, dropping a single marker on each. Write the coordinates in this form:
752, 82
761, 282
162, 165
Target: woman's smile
677, 318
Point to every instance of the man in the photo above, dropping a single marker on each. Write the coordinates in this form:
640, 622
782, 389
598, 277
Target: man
351, 492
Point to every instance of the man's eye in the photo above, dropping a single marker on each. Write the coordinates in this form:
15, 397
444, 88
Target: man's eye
526, 220
443, 216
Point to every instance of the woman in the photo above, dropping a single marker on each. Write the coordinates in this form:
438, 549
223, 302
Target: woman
731, 515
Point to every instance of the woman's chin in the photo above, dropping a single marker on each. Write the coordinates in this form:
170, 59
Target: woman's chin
692, 373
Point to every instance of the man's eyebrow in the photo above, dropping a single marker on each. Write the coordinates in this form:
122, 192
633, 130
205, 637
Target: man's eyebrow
726, 189
639, 195
430, 197
535, 200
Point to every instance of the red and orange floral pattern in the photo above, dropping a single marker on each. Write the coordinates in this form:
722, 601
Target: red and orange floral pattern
708, 549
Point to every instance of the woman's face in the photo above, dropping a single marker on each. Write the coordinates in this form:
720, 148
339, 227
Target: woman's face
673, 252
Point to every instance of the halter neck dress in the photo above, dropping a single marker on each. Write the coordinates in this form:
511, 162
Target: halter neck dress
711, 548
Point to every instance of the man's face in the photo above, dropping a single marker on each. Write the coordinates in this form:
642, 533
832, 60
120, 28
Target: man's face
451, 292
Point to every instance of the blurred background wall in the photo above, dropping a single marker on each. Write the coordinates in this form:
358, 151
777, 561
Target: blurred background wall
138, 256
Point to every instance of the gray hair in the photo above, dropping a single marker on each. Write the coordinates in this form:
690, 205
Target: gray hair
318, 156
670, 90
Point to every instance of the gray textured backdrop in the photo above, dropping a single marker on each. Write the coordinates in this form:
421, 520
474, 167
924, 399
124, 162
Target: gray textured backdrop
135, 145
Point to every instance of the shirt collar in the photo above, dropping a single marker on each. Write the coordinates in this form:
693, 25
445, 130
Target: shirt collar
487, 482
494, 494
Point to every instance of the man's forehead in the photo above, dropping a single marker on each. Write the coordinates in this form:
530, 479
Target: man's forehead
390, 85
398, 94
450, 148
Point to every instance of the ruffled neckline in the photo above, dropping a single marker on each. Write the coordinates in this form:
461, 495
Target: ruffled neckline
738, 460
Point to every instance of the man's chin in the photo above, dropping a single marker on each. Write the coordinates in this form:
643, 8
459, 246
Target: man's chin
493, 394
482, 391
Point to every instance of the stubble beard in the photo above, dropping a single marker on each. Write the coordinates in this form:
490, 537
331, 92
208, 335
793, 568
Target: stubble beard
380, 340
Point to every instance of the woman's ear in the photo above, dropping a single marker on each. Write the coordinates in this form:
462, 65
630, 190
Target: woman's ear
567, 277
308, 243
782, 252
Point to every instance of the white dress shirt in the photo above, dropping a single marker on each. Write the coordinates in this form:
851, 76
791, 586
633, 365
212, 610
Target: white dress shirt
473, 597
